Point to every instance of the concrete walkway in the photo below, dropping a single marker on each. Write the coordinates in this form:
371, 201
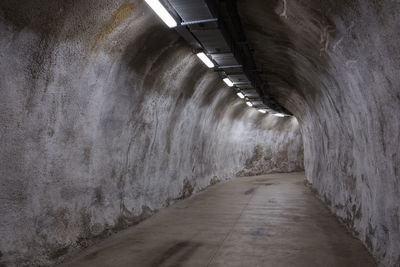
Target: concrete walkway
271, 220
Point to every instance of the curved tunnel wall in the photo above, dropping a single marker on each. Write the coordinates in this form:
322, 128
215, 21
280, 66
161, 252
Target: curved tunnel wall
335, 65
107, 116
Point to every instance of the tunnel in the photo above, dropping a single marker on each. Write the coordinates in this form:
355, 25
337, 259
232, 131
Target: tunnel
114, 132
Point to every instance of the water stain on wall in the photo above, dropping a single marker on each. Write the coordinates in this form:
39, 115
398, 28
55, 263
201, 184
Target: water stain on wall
117, 17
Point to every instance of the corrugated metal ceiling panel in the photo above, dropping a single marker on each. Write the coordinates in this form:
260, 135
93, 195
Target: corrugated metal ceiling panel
250, 93
235, 78
191, 10
245, 87
212, 40
225, 59
184, 32
257, 103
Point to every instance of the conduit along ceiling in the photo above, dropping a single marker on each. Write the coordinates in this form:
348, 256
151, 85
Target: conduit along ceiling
214, 31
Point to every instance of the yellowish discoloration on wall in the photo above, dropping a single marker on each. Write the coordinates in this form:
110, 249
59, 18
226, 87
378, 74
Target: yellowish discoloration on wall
117, 17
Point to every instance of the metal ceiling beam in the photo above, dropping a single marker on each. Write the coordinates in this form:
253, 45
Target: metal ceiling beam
222, 37
199, 21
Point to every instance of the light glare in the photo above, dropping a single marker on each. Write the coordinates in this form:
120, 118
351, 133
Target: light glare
262, 111
239, 94
249, 103
279, 115
228, 82
205, 60
162, 12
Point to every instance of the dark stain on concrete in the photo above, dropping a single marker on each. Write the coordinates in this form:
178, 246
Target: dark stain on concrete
385, 229
210, 92
50, 132
85, 222
264, 184
127, 218
187, 189
45, 22
263, 180
369, 236
177, 254
117, 17
32, 14
257, 156
86, 155
90, 237
59, 252
91, 256
356, 211
250, 191
214, 180
239, 110
98, 196
147, 45
327, 200
190, 82
259, 232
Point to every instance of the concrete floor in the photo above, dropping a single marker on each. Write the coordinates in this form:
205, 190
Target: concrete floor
271, 220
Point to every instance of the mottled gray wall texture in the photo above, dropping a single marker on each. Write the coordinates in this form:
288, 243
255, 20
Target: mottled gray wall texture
106, 116
336, 65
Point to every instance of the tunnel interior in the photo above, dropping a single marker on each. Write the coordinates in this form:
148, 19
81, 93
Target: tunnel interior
108, 116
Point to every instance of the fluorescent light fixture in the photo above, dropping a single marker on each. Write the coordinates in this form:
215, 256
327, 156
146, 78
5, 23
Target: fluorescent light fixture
279, 115
249, 103
262, 111
240, 94
162, 12
205, 60
228, 82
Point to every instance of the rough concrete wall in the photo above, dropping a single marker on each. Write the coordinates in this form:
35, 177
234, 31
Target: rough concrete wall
107, 116
335, 64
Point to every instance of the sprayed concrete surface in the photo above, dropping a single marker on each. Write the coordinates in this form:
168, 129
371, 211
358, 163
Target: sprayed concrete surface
271, 220
106, 116
335, 64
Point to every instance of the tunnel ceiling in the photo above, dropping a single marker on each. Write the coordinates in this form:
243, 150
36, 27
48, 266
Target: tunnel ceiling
214, 28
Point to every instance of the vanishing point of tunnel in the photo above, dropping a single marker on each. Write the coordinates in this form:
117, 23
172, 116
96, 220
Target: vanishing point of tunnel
200, 133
